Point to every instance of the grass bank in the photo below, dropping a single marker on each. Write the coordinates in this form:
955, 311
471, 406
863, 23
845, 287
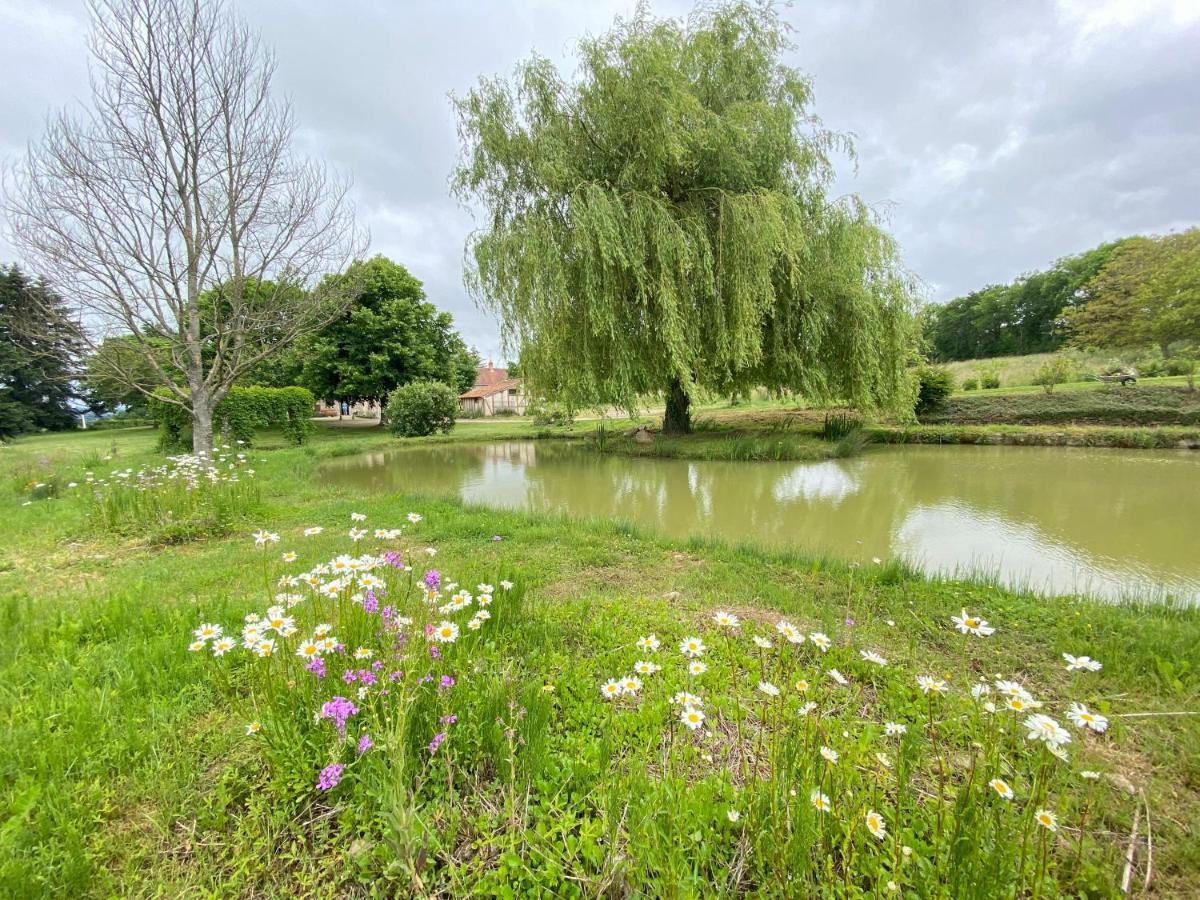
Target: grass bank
1150, 438
129, 770
1131, 406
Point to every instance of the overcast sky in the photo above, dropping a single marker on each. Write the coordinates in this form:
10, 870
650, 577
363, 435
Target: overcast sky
996, 136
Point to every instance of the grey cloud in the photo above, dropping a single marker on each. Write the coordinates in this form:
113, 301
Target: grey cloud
995, 135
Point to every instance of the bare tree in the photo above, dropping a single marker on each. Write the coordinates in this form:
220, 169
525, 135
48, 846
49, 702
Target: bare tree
175, 211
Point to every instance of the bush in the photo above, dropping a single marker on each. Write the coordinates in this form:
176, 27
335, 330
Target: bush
552, 414
935, 385
1056, 370
422, 407
989, 381
970, 384
243, 411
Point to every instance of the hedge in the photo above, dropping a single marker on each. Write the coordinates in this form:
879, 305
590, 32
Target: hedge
243, 411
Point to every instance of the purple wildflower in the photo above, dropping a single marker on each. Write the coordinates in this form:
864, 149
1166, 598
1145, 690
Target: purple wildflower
447, 682
366, 676
433, 579
316, 665
449, 720
425, 679
389, 613
364, 744
377, 665
436, 742
434, 652
339, 709
370, 604
349, 676
394, 559
395, 676
330, 776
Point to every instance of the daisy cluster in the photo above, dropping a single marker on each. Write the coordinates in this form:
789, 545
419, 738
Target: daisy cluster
360, 632
189, 471
768, 680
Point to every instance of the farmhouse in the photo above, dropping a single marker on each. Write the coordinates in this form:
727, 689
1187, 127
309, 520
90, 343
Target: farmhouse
492, 393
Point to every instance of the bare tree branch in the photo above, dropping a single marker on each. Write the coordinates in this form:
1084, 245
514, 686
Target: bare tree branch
175, 210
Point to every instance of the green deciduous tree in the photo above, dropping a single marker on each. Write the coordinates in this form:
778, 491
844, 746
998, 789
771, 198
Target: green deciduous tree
1012, 319
662, 224
117, 374
39, 356
1148, 294
388, 336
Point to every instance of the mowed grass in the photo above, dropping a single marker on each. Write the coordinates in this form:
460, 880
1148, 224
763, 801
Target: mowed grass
128, 770
1134, 405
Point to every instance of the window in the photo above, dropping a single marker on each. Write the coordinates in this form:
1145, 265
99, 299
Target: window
512, 392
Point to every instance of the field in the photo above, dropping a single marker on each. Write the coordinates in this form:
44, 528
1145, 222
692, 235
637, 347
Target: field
1016, 372
129, 769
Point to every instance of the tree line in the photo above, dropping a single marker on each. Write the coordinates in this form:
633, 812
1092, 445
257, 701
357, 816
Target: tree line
389, 334
1136, 292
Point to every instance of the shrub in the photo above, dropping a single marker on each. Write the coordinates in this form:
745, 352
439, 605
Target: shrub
935, 385
422, 407
1056, 370
970, 384
989, 381
243, 411
552, 414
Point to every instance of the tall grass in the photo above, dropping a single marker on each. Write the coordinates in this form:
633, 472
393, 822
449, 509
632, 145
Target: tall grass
185, 498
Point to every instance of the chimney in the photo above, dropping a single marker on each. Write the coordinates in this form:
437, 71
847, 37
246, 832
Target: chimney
490, 364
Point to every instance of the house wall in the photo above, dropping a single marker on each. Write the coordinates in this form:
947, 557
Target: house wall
489, 406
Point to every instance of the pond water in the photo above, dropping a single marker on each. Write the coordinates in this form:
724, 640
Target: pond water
1110, 523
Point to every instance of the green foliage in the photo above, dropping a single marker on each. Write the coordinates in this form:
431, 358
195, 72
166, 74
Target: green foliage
1012, 319
551, 414
388, 336
839, 424
934, 385
1054, 371
1149, 293
970, 384
39, 351
421, 408
243, 411
989, 377
680, 180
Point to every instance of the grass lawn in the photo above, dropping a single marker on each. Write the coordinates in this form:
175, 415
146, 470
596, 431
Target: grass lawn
1135, 405
129, 770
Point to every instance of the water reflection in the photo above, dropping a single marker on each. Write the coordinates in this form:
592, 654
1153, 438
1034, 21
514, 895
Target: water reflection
828, 481
1106, 521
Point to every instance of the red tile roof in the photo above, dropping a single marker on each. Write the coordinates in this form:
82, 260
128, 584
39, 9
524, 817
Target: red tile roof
487, 390
489, 374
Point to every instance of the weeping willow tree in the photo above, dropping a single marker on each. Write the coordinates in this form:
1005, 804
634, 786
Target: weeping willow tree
661, 224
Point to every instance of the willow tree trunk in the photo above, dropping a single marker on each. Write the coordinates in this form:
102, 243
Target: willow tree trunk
677, 419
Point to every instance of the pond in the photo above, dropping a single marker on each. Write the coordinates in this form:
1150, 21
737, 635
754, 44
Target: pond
1109, 523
